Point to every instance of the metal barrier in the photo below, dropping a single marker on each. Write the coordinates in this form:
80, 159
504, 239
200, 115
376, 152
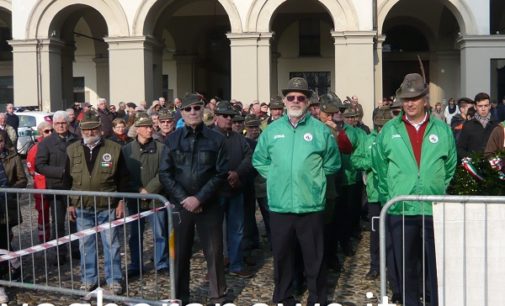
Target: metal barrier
32, 257
442, 200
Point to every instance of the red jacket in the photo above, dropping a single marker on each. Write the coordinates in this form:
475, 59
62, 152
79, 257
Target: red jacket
39, 181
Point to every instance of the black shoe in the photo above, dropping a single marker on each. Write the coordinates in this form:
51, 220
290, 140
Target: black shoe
397, 298
133, 273
372, 274
163, 271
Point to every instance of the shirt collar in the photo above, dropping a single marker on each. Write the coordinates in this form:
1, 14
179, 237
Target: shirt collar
417, 126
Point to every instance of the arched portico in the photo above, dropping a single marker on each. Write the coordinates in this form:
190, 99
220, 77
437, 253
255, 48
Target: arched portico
342, 12
45, 12
6, 5
460, 10
148, 12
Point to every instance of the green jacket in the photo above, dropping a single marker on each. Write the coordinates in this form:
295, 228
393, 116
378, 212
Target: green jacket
356, 136
105, 175
362, 160
143, 165
397, 168
295, 162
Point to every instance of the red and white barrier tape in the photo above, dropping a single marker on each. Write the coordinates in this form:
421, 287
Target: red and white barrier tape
78, 235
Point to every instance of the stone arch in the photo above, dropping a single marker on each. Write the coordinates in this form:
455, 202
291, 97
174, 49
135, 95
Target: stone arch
464, 16
45, 11
5, 4
143, 26
342, 12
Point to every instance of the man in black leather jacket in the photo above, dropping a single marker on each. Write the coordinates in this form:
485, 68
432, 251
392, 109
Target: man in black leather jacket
193, 168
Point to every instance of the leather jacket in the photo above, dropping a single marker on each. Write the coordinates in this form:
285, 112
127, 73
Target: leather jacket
194, 163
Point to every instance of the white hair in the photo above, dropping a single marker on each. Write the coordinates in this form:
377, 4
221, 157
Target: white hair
61, 115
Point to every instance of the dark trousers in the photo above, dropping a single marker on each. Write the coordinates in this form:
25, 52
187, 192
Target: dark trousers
5, 244
308, 231
251, 238
209, 227
59, 215
374, 210
407, 238
344, 213
265, 213
330, 234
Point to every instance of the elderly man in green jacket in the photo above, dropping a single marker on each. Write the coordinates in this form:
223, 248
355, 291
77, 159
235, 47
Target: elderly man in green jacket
415, 155
295, 154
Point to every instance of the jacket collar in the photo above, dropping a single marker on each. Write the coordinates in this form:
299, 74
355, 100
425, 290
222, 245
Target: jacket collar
189, 130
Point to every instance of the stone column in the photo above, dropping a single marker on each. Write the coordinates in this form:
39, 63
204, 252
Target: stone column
131, 68
476, 52
102, 78
444, 73
250, 66
185, 74
51, 74
26, 72
354, 68
378, 69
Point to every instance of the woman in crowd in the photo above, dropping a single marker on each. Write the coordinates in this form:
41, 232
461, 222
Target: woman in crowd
451, 110
39, 182
438, 112
119, 130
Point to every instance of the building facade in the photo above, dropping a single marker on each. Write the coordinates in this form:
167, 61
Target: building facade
55, 52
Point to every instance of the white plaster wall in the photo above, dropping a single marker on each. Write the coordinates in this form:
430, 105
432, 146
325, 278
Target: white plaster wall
480, 11
85, 67
20, 13
130, 9
364, 12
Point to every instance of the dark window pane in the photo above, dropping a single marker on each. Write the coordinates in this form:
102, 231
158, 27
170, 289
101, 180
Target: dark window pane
309, 37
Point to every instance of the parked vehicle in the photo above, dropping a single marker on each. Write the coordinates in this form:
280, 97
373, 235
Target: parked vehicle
27, 131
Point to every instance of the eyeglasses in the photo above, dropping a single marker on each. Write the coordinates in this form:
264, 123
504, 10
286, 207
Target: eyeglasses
48, 131
165, 121
298, 98
227, 116
60, 123
196, 108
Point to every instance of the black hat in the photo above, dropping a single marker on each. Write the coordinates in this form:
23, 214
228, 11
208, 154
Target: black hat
330, 103
413, 86
191, 99
297, 84
90, 121
225, 108
238, 118
382, 115
276, 103
165, 114
252, 121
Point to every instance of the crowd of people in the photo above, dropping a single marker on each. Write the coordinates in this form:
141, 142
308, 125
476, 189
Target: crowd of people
308, 162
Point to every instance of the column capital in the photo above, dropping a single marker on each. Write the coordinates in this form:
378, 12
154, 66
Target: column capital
249, 38
480, 41
23, 45
353, 37
132, 42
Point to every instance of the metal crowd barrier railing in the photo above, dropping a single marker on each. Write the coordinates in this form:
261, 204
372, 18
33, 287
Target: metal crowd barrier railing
41, 267
464, 283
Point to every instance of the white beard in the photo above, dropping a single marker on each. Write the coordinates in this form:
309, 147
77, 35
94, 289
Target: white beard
90, 140
295, 113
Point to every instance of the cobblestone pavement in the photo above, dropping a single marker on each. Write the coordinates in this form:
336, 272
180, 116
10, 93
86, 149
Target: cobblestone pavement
348, 289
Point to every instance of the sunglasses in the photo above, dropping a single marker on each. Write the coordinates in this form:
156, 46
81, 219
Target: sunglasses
48, 131
227, 116
298, 98
194, 107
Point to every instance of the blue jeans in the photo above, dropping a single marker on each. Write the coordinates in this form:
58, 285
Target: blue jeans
136, 241
88, 247
234, 213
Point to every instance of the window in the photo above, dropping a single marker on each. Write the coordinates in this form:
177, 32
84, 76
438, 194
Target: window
6, 89
79, 89
309, 37
320, 82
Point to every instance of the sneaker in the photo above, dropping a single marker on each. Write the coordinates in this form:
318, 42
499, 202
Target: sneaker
4, 299
115, 288
242, 274
372, 274
87, 287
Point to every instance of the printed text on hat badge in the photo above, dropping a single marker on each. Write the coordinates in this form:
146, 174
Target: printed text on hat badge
433, 138
307, 137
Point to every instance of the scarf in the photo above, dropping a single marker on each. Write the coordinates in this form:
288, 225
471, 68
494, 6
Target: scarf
483, 120
452, 108
123, 137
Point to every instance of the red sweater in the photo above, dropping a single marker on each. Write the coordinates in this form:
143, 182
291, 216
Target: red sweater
416, 137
